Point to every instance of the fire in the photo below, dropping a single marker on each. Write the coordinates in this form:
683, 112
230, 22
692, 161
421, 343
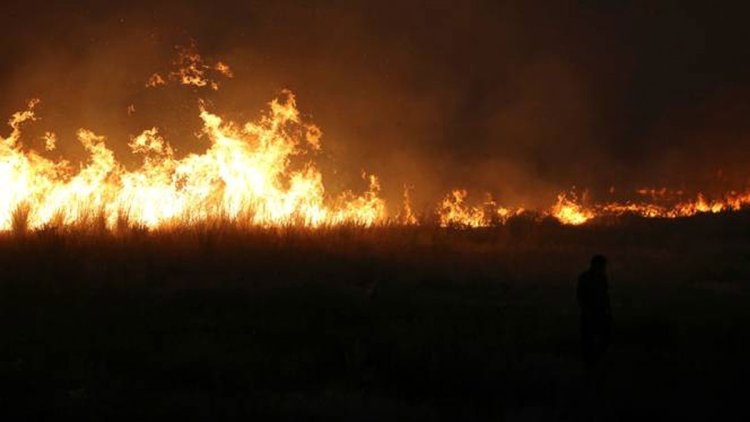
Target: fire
454, 211
407, 216
732, 201
155, 80
191, 69
245, 175
570, 211
50, 141
257, 173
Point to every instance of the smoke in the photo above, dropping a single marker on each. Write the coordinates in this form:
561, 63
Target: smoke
518, 99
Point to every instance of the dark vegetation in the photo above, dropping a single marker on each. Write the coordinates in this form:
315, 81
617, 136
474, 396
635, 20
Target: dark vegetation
393, 323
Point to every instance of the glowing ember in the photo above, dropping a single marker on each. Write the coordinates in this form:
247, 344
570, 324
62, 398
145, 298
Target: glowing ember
191, 69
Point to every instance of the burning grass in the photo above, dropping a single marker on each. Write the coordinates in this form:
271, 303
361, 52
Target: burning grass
258, 173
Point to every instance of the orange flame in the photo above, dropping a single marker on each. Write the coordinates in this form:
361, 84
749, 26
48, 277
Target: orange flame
244, 175
191, 69
570, 211
454, 211
407, 216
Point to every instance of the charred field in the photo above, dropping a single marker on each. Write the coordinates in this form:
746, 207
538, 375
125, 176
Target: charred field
388, 323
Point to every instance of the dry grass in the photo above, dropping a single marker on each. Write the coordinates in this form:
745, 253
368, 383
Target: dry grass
524, 250
221, 320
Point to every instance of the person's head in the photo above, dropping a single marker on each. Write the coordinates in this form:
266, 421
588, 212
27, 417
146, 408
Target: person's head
598, 263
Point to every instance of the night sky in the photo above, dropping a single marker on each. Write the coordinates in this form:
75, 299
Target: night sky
521, 99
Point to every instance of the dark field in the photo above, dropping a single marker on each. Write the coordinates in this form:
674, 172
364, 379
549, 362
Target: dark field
213, 323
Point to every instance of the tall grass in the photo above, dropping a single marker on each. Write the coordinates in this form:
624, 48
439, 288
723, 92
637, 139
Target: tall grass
20, 219
522, 251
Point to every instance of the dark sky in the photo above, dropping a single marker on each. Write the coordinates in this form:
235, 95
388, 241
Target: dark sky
521, 99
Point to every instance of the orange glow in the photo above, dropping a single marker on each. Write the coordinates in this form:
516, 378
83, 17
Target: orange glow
454, 211
244, 175
570, 211
155, 80
407, 216
191, 69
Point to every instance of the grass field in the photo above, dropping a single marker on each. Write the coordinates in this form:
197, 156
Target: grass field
391, 323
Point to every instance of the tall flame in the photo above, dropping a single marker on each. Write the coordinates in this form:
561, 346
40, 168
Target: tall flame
244, 175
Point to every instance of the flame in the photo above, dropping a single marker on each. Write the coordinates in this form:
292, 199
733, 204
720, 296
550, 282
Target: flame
454, 211
407, 216
731, 201
570, 211
50, 141
245, 175
258, 173
224, 69
192, 70
155, 80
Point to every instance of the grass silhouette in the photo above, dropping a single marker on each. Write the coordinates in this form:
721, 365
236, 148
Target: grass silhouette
219, 320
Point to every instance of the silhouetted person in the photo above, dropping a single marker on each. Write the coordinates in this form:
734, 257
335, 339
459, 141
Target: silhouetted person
596, 316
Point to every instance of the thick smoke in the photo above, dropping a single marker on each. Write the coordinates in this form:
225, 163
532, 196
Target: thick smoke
519, 99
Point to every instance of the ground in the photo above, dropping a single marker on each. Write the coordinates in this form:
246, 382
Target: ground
216, 323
